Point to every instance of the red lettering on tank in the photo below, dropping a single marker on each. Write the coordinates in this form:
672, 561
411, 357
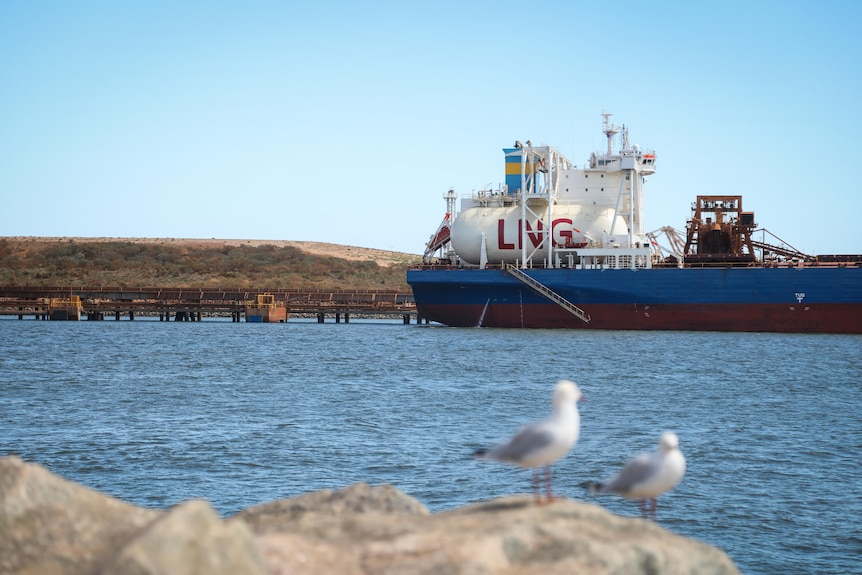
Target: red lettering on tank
564, 236
501, 232
562, 232
535, 239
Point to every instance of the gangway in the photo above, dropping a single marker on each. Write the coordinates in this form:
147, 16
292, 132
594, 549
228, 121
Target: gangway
545, 291
441, 236
438, 240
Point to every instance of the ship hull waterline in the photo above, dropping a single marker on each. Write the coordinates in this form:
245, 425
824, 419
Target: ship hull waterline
730, 299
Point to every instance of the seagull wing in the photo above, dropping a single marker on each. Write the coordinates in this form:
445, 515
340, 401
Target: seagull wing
528, 441
635, 472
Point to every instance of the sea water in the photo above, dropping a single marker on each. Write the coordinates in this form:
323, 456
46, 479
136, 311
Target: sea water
156, 413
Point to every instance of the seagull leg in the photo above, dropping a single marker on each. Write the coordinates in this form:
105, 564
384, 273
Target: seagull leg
654, 509
548, 491
537, 487
643, 508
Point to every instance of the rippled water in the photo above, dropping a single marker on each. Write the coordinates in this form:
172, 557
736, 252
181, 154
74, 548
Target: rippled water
156, 413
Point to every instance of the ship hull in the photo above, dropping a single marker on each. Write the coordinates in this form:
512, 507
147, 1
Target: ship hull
269, 315
789, 299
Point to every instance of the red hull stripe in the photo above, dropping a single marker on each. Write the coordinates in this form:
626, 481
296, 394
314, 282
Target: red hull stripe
813, 318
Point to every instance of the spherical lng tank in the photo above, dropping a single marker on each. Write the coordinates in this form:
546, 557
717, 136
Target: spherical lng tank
500, 227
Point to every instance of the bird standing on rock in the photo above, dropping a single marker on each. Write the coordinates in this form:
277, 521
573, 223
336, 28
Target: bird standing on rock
540, 444
647, 476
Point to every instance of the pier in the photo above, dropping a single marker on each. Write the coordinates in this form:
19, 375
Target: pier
194, 304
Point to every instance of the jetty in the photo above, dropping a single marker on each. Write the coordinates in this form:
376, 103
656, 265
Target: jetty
193, 304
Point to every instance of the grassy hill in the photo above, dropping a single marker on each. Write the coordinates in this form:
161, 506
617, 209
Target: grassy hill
199, 263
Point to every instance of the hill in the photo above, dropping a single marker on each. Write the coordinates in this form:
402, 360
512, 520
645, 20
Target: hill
172, 262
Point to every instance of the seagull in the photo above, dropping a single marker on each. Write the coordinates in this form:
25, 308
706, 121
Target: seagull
648, 475
540, 444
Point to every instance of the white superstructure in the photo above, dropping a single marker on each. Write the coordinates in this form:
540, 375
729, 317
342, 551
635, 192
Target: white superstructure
551, 213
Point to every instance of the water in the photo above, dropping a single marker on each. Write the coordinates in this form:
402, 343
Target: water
240, 414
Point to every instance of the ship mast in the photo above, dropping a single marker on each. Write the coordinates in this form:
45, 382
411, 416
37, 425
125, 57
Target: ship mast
610, 131
635, 164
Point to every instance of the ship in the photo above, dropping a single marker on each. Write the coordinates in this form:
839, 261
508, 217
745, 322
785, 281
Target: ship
560, 246
264, 309
65, 308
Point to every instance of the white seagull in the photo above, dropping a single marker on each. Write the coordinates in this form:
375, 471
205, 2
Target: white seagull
647, 476
542, 443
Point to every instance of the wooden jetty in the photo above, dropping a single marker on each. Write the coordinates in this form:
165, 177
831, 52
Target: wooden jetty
192, 304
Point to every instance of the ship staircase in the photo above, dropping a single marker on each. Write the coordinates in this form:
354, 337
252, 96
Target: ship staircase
547, 292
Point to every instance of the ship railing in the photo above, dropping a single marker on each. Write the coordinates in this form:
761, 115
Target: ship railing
606, 258
73, 300
495, 197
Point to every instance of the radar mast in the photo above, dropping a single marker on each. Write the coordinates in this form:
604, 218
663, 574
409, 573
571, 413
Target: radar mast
610, 131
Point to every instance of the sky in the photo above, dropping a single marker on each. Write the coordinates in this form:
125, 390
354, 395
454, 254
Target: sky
347, 122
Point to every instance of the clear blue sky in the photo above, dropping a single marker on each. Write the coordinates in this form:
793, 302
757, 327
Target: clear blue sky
346, 122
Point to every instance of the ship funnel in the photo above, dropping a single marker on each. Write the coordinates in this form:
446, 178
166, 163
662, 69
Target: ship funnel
513, 167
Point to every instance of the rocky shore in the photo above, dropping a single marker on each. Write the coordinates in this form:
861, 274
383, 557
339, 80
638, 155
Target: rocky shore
52, 526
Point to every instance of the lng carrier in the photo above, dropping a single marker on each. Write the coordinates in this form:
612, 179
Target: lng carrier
557, 246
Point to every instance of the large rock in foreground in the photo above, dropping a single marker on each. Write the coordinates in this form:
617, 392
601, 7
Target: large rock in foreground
343, 532
49, 525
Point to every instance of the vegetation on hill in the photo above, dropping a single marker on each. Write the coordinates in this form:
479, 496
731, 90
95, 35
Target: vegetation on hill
67, 262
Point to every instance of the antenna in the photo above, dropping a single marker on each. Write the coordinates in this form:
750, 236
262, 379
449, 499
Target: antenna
610, 131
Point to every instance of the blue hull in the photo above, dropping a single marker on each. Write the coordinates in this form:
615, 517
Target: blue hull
784, 299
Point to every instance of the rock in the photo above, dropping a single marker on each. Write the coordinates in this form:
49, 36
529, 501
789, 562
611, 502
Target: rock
51, 526
190, 539
357, 499
509, 536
